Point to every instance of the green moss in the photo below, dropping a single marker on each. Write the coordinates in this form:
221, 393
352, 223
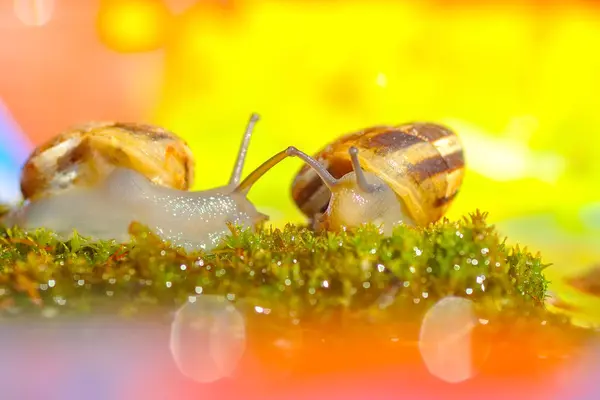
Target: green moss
294, 272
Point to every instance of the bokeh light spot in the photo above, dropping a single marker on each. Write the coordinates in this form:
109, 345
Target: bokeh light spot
34, 12
208, 338
445, 339
133, 25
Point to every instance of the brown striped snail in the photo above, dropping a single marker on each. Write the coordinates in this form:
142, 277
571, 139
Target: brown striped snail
408, 173
86, 154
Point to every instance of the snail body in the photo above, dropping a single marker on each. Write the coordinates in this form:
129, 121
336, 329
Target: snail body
84, 155
418, 168
194, 220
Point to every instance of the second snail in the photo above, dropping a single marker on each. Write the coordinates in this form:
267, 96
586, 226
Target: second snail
99, 179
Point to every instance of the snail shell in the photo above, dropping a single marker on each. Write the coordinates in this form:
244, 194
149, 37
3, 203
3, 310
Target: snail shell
86, 154
422, 162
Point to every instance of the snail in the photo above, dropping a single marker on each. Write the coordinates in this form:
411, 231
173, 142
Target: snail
408, 173
194, 220
86, 154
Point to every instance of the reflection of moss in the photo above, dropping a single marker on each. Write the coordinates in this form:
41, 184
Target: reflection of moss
294, 272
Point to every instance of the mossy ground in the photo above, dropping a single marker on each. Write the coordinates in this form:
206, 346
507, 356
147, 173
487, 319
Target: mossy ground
292, 271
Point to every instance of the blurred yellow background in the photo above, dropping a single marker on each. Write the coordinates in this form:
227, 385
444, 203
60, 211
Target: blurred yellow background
518, 81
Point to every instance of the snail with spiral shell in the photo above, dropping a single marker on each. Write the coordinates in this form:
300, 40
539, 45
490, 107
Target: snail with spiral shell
386, 175
85, 155
101, 179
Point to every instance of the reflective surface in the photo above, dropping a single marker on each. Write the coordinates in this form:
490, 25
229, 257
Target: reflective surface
108, 358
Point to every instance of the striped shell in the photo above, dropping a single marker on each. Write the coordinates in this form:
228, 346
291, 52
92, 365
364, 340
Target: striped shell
422, 162
86, 154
